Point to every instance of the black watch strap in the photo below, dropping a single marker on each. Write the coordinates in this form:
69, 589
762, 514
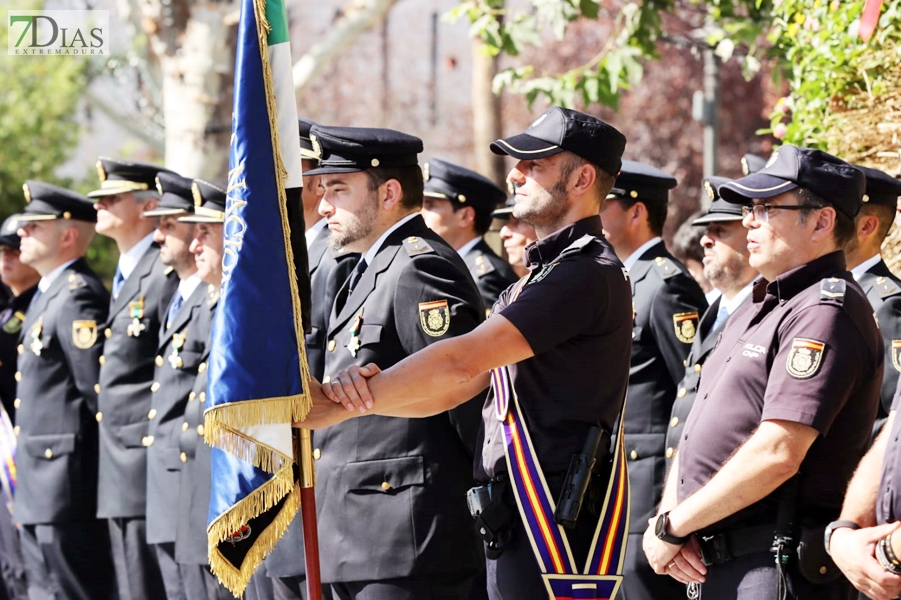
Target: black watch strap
827, 534
660, 531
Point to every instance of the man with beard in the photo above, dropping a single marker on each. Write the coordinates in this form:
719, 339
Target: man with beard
142, 287
65, 548
725, 244
516, 234
385, 484
558, 347
666, 307
864, 256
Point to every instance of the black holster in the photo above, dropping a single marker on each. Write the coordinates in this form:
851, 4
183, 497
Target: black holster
493, 513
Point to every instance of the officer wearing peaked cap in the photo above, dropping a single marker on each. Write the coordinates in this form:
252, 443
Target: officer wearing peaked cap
751, 163
882, 287
328, 271
515, 234
65, 548
726, 267
142, 289
458, 206
409, 290
667, 306
785, 402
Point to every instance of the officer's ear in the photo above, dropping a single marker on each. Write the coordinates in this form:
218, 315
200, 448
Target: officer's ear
390, 194
150, 204
466, 217
824, 224
585, 177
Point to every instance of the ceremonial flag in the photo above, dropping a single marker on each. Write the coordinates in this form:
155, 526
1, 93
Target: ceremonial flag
258, 378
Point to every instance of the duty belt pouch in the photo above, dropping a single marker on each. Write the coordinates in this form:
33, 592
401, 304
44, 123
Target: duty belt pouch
493, 516
814, 564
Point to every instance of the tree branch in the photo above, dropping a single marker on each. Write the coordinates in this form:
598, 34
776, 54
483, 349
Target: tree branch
135, 124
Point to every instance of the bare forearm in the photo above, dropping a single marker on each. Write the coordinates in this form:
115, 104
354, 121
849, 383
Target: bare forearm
668, 501
863, 490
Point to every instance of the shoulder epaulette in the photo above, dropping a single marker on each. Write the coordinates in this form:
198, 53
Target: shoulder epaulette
212, 293
483, 266
886, 287
168, 270
578, 245
833, 290
76, 281
665, 267
413, 245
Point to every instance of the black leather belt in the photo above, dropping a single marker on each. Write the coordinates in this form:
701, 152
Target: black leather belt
722, 547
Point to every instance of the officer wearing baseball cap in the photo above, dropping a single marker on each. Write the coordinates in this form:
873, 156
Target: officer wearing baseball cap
458, 206
882, 287
667, 307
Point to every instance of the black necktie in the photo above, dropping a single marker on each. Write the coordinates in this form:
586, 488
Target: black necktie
355, 276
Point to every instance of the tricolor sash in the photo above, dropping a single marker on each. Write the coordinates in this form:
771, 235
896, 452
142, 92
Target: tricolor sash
601, 577
7, 458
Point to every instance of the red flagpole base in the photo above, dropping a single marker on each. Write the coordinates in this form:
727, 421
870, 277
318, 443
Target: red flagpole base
311, 542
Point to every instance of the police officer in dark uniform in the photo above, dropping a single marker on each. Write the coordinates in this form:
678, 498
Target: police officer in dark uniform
458, 206
183, 337
565, 335
726, 267
142, 288
22, 281
65, 548
515, 235
328, 272
883, 289
784, 407
410, 289
751, 163
667, 306
192, 505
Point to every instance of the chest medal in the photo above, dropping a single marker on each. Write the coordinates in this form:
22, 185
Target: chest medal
136, 311
354, 344
178, 342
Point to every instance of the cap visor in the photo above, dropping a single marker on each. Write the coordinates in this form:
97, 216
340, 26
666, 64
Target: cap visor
327, 170
111, 188
502, 213
755, 185
199, 219
716, 218
523, 146
162, 212
37, 217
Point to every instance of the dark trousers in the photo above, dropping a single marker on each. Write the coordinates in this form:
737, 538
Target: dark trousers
426, 587
259, 587
137, 570
295, 588
12, 569
165, 556
201, 584
640, 582
753, 577
68, 561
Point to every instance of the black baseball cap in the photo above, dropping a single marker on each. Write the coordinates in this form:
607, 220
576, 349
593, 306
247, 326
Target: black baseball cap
563, 129
720, 210
881, 188
209, 203
8, 235
835, 181
118, 176
353, 149
176, 197
639, 181
461, 186
46, 202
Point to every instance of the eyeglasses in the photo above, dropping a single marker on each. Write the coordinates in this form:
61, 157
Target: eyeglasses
762, 211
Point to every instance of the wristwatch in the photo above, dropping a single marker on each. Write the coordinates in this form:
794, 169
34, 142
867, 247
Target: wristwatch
831, 527
660, 531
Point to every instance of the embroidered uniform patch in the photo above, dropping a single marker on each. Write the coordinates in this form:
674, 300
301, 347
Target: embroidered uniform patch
434, 317
804, 359
686, 325
84, 334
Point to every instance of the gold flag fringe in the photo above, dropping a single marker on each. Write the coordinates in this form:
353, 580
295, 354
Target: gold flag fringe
259, 501
248, 449
262, 411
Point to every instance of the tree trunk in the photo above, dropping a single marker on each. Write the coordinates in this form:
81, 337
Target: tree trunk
486, 115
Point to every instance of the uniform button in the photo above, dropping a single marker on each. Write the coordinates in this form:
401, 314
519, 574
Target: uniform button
98, 417
823, 570
155, 386
674, 421
184, 426
633, 455
108, 333
203, 396
97, 388
20, 349
386, 486
17, 402
16, 430
669, 452
102, 360
159, 361
183, 457
201, 367
18, 376
151, 414
326, 379
147, 441
685, 363
48, 453
200, 429
317, 453
697, 367
332, 344
682, 392
192, 396
728, 359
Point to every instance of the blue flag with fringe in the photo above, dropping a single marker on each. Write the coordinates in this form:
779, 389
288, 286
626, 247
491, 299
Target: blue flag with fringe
258, 378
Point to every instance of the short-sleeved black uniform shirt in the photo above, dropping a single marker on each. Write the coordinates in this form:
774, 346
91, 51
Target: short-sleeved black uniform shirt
805, 350
888, 503
576, 314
